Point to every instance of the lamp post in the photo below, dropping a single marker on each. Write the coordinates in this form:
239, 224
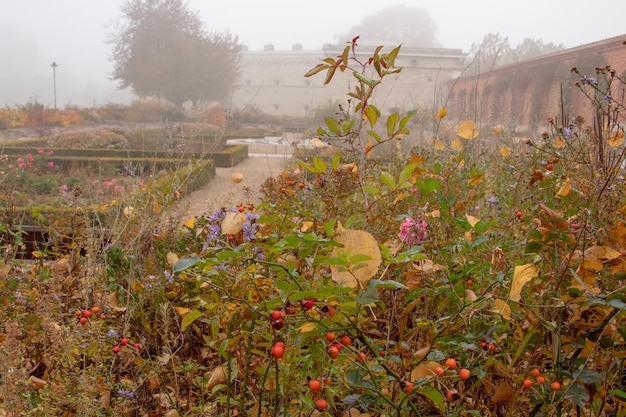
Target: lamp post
54, 80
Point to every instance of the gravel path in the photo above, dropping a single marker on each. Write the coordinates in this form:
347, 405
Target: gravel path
222, 191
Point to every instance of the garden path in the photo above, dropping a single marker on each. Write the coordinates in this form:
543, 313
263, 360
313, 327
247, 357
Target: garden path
222, 191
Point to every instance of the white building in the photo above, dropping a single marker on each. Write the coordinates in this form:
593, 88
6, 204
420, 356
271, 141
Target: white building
273, 81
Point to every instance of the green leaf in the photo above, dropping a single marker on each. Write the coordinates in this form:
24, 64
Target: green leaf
369, 82
392, 121
406, 172
319, 164
336, 159
189, 318
318, 68
588, 376
329, 75
371, 113
435, 397
428, 185
391, 57
387, 284
374, 135
618, 393
388, 179
186, 263
333, 125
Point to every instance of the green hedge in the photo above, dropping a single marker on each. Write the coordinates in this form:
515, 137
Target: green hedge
228, 157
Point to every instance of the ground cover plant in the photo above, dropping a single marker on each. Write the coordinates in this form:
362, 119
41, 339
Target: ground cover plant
456, 278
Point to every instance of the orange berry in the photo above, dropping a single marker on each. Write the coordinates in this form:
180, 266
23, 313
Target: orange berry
406, 387
361, 357
276, 315
451, 363
527, 383
321, 404
541, 379
333, 352
464, 373
439, 371
555, 386
330, 336
277, 351
95, 310
315, 385
518, 214
535, 372
78, 313
345, 340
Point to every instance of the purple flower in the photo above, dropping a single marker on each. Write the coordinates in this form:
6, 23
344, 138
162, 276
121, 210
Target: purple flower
588, 80
125, 393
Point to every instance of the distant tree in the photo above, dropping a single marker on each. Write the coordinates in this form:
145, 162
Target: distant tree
495, 51
162, 50
393, 25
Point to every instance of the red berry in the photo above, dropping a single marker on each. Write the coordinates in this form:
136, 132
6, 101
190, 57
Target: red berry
278, 324
406, 387
492, 347
82, 320
345, 340
541, 379
315, 385
549, 166
535, 372
555, 386
281, 344
330, 336
241, 208
333, 352
361, 357
518, 214
277, 315
451, 363
527, 383
439, 371
464, 373
321, 404
290, 309
327, 311
277, 351
137, 346
116, 349
124, 341
452, 395
308, 303
86, 314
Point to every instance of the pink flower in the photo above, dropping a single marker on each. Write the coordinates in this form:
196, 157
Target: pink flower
51, 164
40, 151
63, 188
23, 165
413, 232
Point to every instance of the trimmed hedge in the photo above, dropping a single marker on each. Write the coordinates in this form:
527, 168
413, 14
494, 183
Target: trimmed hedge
226, 158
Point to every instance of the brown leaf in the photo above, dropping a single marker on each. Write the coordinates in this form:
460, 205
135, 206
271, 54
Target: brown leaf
218, 376
467, 130
233, 223
424, 370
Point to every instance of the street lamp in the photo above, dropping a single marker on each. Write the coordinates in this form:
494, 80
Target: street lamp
54, 80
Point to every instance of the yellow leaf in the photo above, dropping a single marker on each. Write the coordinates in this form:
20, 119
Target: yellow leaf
172, 258
501, 307
497, 130
439, 145
401, 197
368, 147
616, 139
190, 223
237, 177
505, 151
424, 369
564, 190
435, 214
182, 311
467, 130
475, 180
316, 142
233, 223
307, 327
356, 242
456, 145
471, 220
306, 226
37, 254
559, 143
521, 275
443, 112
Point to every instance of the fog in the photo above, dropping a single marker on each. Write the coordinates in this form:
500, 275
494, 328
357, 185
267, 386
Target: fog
72, 33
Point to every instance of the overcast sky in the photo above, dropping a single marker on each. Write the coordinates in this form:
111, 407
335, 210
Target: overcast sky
35, 33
